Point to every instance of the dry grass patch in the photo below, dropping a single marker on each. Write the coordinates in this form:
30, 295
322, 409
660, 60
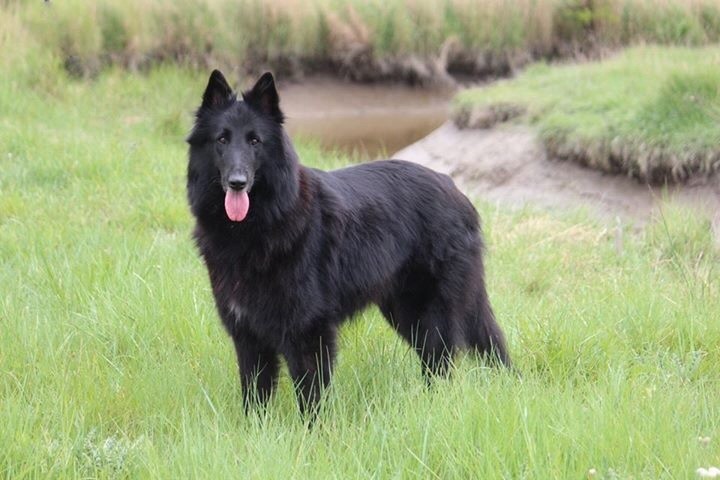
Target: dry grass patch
412, 40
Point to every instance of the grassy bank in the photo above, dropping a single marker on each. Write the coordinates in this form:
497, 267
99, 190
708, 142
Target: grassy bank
413, 40
113, 363
652, 113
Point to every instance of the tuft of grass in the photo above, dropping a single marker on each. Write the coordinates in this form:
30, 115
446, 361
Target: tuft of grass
414, 40
649, 112
113, 363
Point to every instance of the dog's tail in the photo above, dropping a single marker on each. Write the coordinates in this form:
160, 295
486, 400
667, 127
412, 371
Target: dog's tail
482, 332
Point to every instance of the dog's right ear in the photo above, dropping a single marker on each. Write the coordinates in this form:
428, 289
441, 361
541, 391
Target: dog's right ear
218, 93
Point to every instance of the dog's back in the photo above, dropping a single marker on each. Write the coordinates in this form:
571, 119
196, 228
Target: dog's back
393, 212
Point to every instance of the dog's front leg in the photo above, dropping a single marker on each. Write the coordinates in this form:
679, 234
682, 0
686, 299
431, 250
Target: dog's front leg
258, 365
310, 358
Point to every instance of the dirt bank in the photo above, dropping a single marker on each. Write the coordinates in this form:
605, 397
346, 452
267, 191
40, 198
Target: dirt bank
508, 165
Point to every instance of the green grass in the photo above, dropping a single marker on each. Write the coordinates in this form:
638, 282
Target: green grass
398, 39
651, 112
113, 362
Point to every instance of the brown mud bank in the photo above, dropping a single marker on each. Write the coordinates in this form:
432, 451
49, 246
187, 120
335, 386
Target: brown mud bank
509, 165
646, 164
449, 67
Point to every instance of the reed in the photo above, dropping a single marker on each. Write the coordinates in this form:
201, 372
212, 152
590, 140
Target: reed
414, 40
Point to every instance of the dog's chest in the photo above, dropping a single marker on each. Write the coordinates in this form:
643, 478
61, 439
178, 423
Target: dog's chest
236, 310
272, 312
262, 299
263, 289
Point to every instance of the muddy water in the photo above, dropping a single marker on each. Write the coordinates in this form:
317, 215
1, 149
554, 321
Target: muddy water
371, 121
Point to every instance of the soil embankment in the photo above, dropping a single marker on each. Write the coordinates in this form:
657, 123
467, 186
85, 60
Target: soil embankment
508, 165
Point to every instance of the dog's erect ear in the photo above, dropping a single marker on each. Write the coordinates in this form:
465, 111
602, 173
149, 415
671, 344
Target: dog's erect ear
264, 97
218, 93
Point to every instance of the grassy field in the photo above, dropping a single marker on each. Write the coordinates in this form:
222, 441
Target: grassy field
113, 362
650, 112
414, 40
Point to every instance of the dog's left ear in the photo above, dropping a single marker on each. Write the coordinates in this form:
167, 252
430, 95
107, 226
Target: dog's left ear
264, 97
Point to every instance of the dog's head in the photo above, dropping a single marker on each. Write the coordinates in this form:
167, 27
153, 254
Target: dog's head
231, 140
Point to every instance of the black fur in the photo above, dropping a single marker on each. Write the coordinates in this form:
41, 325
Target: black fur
318, 246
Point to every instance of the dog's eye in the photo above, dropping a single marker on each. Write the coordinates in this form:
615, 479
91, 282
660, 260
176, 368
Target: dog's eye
222, 139
252, 140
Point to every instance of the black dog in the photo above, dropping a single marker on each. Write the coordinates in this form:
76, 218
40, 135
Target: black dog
293, 251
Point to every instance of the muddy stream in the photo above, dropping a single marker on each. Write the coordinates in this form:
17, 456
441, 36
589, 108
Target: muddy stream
370, 121
506, 165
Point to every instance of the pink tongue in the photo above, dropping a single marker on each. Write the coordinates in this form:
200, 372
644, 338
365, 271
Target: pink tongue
237, 205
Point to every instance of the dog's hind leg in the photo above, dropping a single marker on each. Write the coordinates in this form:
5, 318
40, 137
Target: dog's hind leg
435, 339
426, 324
310, 358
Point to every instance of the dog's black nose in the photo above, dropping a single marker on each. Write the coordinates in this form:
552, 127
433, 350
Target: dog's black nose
237, 181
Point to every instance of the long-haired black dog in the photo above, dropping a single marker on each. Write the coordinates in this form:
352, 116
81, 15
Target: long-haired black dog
293, 251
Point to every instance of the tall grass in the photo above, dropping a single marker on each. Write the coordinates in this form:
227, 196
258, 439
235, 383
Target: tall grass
409, 39
113, 363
